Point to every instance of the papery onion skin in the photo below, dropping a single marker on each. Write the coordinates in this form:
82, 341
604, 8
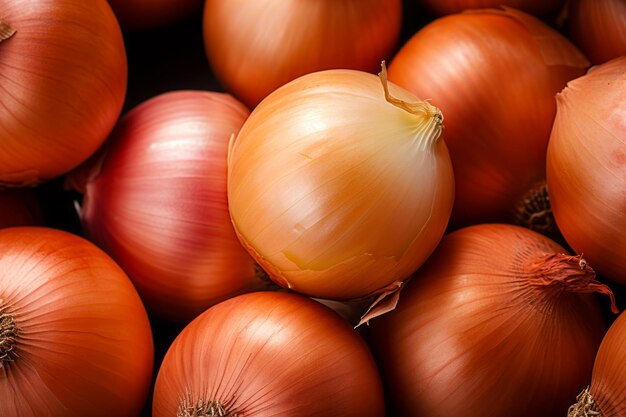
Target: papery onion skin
269, 354
20, 208
598, 28
493, 324
156, 202
147, 14
63, 84
608, 383
84, 344
256, 47
493, 74
535, 7
586, 167
336, 192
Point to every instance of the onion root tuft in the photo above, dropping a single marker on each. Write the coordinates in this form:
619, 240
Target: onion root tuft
585, 407
8, 336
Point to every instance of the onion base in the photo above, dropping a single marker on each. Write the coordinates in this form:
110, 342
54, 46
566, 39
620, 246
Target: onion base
201, 408
8, 337
533, 211
585, 407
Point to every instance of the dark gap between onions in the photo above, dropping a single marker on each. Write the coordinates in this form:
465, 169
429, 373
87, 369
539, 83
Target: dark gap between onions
6, 31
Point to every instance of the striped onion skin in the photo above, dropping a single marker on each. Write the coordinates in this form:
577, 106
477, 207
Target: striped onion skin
338, 189
75, 339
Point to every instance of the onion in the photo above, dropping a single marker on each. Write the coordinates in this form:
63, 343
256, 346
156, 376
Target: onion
255, 47
598, 28
268, 354
155, 200
607, 395
74, 337
20, 208
63, 83
494, 74
498, 322
586, 167
536, 7
338, 188
144, 14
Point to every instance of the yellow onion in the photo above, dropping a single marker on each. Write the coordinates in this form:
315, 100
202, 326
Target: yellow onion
493, 73
606, 397
500, 322
254, 47
339, 186
268, 354
586, 167
598, 28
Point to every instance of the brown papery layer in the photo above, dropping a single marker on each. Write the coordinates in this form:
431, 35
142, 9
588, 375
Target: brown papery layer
6, 31
570, 273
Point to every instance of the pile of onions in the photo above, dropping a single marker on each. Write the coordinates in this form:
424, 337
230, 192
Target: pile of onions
586, 167
607, 395
155, 200
19, 208
340, 186
63, 83
144, 14
536, 7
256, 47
598, 28
268, 354
499, 322
74, 337
493, 74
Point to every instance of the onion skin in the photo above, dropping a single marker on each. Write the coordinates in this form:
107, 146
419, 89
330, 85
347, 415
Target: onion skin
586, 167
20, 208
269, 354
147, 14
63, 80
256, 47
155, 200
336, 192
84, 345
496, 323
598, 28
535, 7
608, 388
493, 74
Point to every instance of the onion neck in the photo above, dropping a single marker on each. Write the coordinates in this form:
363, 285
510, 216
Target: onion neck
428, 118
585, 406
201, 408
567, 273
6, 31
8, 337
